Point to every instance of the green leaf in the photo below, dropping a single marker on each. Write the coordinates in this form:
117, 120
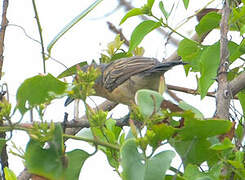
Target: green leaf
43, 162
193, 53
239, 130
209, 62
195, 128
183, 105
9, 175
237, 20
38, 90
186, 3
71, 70
150, 3
158, 133
161, 7
46, 161
75, 159
242, 46
148, 101
208, 22
241, 97
194, 151
51, 161
234, 50
71, 24
242, 30
190, 52
153, 168
192, 173
226, 144
111, 126
140, 32
131, 13
232, 73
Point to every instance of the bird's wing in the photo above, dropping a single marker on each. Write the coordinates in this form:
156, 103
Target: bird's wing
121, 70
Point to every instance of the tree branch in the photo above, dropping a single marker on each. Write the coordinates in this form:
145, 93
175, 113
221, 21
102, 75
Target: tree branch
3, 27
237, 84
118, 31
105, 106
223, 93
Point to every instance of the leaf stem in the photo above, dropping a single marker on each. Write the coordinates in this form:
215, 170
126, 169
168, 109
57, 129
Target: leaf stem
95, 141
173, 30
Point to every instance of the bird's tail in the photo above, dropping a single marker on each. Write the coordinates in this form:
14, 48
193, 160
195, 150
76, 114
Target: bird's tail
68, 101
163, 67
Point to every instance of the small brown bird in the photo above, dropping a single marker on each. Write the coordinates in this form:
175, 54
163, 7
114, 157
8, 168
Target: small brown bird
122, 78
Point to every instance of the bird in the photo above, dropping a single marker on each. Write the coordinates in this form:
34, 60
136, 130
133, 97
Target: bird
121, 79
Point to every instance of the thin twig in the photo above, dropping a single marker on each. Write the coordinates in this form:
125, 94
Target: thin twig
40, 34
3, 27
105, 106
96, 141
118, 31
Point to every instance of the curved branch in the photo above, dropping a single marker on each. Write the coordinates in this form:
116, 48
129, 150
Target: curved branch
237, 84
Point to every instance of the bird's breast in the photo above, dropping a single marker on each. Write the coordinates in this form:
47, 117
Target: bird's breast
125, 92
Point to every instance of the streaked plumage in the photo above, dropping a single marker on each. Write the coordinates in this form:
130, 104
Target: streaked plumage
121, 79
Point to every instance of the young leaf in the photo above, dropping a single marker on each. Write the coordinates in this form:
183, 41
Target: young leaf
38, 90
186, 3
161, 7
148, 101
158, 133
9, 174
140, 32
71, 24
131, 13
150, 3
147, 169
208, 22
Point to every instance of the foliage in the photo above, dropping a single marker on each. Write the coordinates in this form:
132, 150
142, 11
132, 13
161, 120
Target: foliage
137, 154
